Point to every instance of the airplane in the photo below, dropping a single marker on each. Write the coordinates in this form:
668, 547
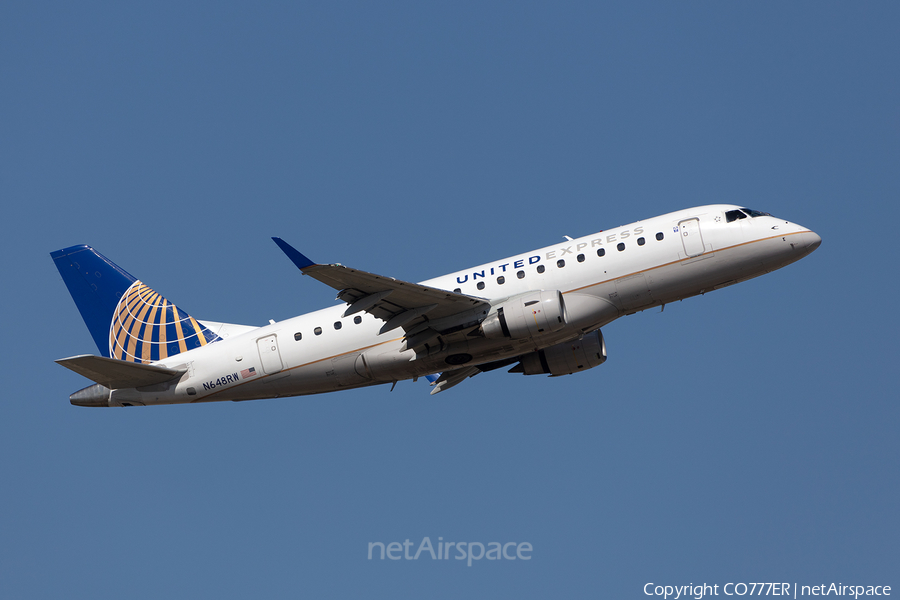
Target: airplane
538, 312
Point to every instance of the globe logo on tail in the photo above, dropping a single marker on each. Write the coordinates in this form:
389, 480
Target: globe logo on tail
147, 328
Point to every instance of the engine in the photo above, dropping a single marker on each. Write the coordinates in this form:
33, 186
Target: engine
565, 358
526, 316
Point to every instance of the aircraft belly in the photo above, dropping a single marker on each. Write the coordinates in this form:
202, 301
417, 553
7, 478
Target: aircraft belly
713, 270
348, 370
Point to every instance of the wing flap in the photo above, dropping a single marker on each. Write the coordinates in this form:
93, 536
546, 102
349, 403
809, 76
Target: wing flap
118, 374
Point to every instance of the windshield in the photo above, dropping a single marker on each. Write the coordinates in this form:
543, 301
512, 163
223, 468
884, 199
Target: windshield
755, 213
734, 215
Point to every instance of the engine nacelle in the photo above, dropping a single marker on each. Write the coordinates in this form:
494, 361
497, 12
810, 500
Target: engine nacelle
526, 316
566, 358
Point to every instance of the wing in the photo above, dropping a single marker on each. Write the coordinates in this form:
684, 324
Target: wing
420, 310
448, 379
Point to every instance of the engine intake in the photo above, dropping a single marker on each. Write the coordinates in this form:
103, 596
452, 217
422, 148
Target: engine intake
529, 315
565, 358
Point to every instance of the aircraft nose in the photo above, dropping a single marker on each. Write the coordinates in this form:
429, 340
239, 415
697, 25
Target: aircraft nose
812, 240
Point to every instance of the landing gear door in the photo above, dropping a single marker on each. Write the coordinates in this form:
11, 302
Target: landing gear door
690, 236
269, 355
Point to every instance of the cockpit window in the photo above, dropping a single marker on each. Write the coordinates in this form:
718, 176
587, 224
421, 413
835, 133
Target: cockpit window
755, 213
734, 215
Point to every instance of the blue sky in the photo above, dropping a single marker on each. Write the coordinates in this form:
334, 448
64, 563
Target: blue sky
746, 435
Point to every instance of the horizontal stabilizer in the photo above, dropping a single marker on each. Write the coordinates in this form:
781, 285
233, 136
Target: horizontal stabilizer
118, 374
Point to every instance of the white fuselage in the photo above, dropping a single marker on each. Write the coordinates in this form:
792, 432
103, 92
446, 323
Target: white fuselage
601, 276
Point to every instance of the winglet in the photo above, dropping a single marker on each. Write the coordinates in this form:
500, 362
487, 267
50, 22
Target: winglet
296, 257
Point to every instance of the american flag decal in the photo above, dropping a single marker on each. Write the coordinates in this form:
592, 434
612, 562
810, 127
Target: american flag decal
246, 373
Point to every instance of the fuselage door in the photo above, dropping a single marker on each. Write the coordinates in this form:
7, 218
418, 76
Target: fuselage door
269, 355
690, 236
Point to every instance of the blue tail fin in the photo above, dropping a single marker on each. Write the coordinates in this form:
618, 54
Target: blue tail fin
127, 319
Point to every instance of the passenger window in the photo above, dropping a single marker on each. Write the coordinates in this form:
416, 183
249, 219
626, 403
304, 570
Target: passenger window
581, 258
480, 285
641, 241
357, 319
501, 280
620, 247
457, 291
338, 324
560, 263
298, 336
520, 274
660, 236
317, 331
540, 269
601, 252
